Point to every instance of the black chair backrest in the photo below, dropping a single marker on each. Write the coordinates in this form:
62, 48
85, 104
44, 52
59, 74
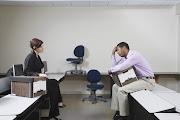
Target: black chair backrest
45, 66
17, 69
93, 76
79, 51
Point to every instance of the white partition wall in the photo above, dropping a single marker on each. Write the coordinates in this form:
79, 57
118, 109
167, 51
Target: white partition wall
152, 31
178, 13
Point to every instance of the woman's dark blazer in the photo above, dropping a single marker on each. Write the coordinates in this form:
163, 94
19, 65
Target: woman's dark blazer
33, 65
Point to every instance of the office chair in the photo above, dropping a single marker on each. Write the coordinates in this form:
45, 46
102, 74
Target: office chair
94, 76
79, 53
17, 69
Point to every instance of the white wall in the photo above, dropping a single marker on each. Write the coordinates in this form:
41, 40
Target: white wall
151, 31
178, 13
178, 9
170, 81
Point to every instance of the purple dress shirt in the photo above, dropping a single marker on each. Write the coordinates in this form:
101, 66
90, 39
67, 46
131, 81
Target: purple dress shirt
135, 59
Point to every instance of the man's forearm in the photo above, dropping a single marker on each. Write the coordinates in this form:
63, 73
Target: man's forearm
113, 61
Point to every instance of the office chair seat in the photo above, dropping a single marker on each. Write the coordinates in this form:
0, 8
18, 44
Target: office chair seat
95, 86
73, 59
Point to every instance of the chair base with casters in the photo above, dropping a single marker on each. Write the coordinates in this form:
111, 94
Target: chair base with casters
76, 71
93, 97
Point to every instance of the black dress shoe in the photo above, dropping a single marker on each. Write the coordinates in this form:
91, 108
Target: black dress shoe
122, 118
116, 116
63, 106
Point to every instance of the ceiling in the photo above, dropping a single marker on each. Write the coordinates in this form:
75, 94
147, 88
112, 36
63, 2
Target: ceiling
90, 2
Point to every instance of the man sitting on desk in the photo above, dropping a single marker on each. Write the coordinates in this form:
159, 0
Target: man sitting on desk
144, 73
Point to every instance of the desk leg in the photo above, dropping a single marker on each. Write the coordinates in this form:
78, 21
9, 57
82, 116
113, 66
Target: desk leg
111, 84
157, 78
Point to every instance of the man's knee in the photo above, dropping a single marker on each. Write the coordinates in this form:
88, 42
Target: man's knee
115, 87
121, 90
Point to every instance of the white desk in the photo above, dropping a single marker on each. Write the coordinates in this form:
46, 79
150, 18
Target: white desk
173, 98
7, 117
151, 102
14, 105
168, 116
5, 84
160, 88
55, 76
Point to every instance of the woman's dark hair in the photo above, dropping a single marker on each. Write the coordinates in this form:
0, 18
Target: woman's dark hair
35, 43
122, 44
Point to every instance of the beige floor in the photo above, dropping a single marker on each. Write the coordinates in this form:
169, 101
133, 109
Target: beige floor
77, 110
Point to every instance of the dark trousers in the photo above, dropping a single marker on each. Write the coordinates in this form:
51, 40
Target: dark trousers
55, 97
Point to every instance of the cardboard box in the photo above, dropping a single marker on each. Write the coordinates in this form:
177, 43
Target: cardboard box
127, 76
28, 86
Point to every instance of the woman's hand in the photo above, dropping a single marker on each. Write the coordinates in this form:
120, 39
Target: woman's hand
114, 50
43, 75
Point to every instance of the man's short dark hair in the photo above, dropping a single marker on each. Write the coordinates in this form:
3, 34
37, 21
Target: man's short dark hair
122, 44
